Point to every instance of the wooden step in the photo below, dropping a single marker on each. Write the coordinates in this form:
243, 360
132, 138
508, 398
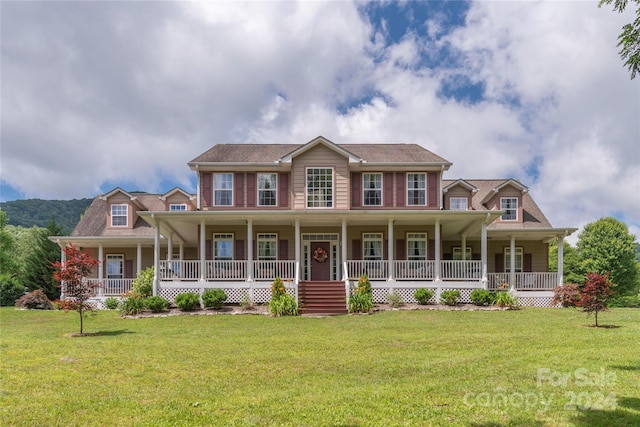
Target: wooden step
322, 298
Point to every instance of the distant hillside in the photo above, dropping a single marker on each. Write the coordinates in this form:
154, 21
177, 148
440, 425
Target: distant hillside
27, 213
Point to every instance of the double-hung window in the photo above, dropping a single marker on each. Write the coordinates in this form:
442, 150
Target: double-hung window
372, 243
119, 215
416, 246
458, 203
115, 266
319, 187
267, 247
507, 260
267, 189
372, 189
223, 247
510, 207
457, 253
223, 189
416, 189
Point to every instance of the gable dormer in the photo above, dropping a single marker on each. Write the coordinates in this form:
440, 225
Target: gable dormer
178, 200
458, 195
507, 197
121, 209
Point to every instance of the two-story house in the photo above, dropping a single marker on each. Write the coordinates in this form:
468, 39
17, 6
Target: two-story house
318, 215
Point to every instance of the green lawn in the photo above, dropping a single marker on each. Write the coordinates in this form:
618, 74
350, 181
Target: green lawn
537, 367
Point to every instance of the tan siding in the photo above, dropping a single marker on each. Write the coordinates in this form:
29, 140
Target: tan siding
178, 199
508, 191
320, 156
538, 250
121, 199
457, 191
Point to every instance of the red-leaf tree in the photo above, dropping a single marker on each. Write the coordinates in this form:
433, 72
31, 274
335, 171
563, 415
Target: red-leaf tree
72, 276
595, 294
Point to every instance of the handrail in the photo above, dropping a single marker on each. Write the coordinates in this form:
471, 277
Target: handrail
345, 278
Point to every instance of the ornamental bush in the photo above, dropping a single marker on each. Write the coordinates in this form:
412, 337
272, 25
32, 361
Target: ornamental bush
143, 284
281, 304
566, 295
423, 295
214, 298
505, 300
481, 297
10, 290
111, 303
132, 304
361, 297
34, 300
187, 301
156, 304
395, 300
450, 297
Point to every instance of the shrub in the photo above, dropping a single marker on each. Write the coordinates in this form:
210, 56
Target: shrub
34, 300
395, 300
10, 290
505, 300
246, 302
111, 303
481, 297
143, 284
132, 304
423, 295
632, 301
281, 304
361, 298
566, 295
156, 304
187, 301
450, 297
214, 298
65, 304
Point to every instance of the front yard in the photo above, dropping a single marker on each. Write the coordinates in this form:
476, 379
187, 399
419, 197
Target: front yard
539, 367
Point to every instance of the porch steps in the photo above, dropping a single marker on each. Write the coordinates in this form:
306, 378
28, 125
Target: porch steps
322, 298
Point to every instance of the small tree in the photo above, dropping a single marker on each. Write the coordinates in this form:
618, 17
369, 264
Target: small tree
595, 294
72, 276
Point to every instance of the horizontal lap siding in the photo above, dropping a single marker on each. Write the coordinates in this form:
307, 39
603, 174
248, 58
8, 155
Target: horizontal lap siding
321, 156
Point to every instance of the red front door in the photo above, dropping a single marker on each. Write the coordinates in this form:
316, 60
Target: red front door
320, 261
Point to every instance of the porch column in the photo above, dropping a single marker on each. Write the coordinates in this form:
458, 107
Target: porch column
464, 246
343, 250
63, 261
560, 260
181, 251
297, 240
437, 254
156, 257
170, 247
250, 250
512, 264
138, 259
483, 254
101, 268
203, 250
390, 249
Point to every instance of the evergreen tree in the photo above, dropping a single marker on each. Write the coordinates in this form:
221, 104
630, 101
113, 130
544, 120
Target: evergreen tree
38, 269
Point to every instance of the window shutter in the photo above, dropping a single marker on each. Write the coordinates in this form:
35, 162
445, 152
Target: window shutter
283, 190
208, 250
356, 192
527, 263
499, 263
388, 189
207, 189
128, 269
238, 249
475, 256
431, 249
400, 191
251, 190
356, 248
239, 189
401, 246
283, 250
432, 178
385, 249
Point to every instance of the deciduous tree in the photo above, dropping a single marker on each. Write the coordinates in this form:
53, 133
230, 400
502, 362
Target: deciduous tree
38, 265
72, 276
629, 39
595, 294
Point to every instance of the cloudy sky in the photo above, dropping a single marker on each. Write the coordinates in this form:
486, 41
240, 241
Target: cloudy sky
103, 94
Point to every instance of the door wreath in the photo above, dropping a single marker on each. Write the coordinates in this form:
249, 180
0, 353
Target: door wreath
320, 255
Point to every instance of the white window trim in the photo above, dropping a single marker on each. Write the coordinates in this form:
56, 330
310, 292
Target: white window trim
379, 238
213, 177
126, 215
426, 244
458, 199
468, 253
174, 205
267, 237
364, 190
507, 260
333, 187
270, 189
218, 237
115, 257
410, 189
517, 208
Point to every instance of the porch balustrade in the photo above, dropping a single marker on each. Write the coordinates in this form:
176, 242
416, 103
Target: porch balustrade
375, 270
269, 270
461, 270
414, 270
111, 287
523, 281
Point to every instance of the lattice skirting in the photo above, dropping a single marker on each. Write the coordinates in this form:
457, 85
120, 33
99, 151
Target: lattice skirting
234, 295
536, 302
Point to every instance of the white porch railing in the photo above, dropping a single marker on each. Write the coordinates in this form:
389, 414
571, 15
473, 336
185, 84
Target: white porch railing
523, 281
414, 270
269, 270
461, 270
225, 270
179, 270
375, 270
110, 287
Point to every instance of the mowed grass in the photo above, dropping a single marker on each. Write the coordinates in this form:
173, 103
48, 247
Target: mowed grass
492, 368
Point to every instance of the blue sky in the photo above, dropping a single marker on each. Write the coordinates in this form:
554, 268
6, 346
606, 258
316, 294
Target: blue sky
103, 94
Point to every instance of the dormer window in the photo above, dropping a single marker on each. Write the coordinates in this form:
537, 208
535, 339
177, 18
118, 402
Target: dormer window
177, 207
119, 215
458, 203
510, 207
